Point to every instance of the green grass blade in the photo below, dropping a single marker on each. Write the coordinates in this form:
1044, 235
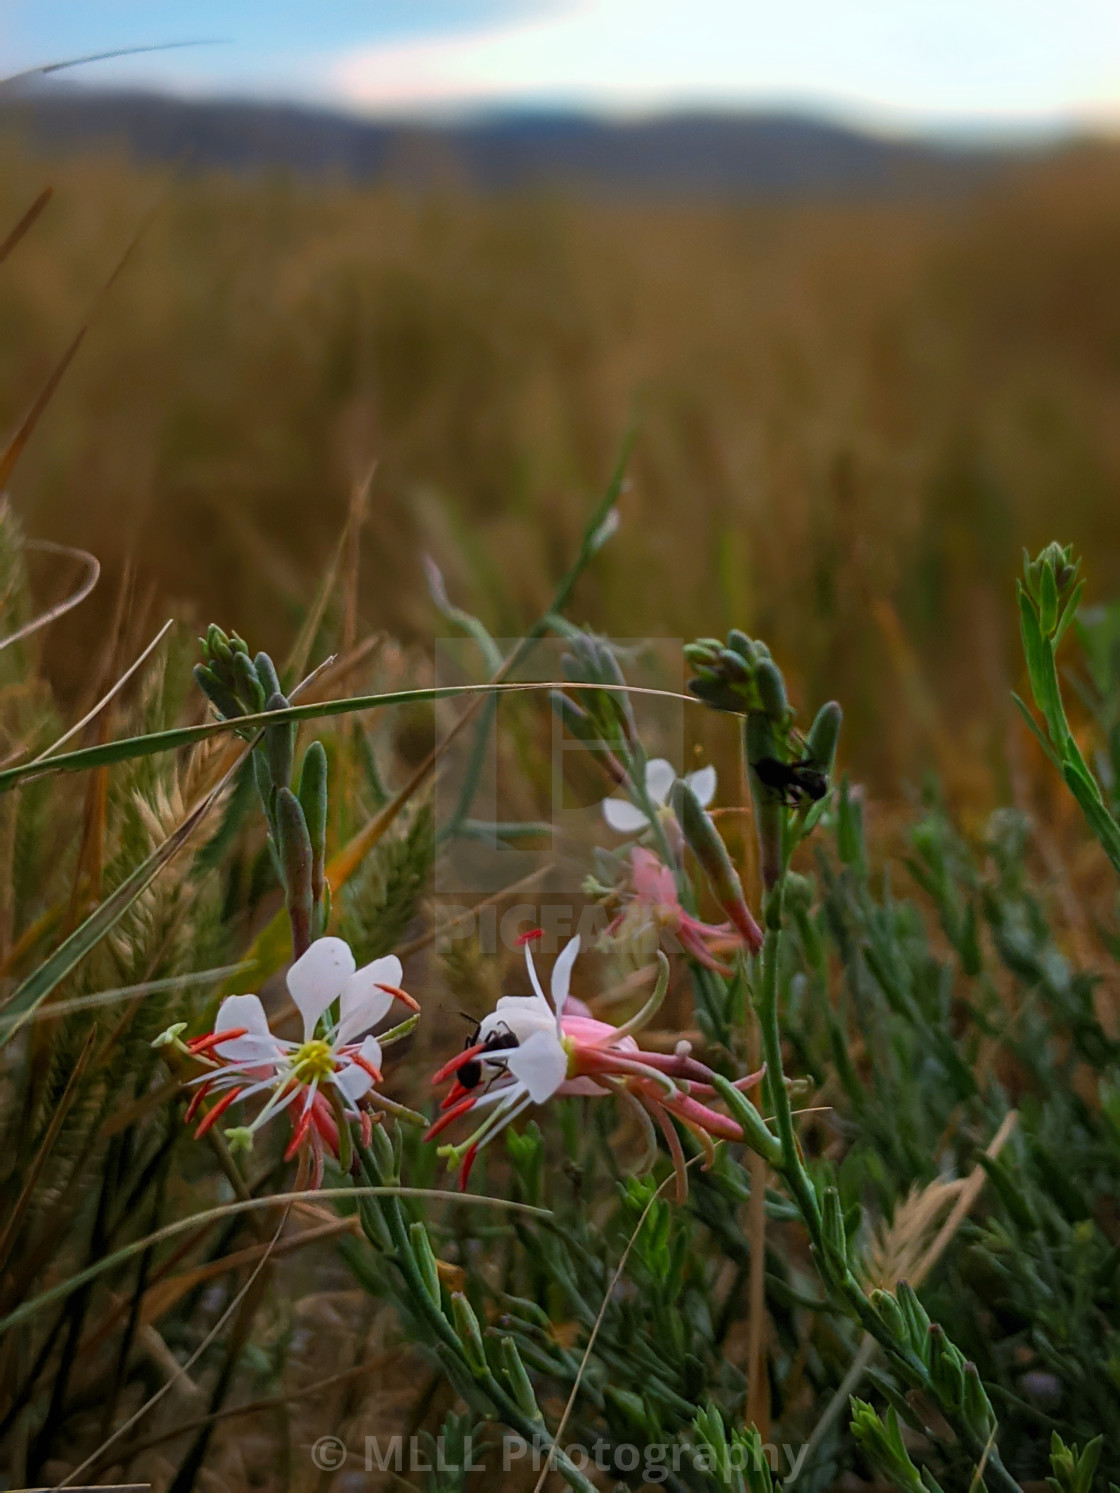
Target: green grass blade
130, 747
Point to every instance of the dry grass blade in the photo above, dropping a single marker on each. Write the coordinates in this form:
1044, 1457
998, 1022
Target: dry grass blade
963, 1206
347, 545
496, 899
254, 1407
110, 694
62, 1289
94, 1488
38, 986
162, 1297
76, 597
46, 68
58, 1009
25, 223
154, 1400
898, 1247
19, 441
62, 1108
921, 1212
593, 1335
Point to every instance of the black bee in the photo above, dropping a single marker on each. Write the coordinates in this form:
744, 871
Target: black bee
470, 1074
793, 781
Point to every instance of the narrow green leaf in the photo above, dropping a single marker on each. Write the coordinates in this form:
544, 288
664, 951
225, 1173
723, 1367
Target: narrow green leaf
131, 747
1047, 602
1100, 820
1036, 732
1069, 612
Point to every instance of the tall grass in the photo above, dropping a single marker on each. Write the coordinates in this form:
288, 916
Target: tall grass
861, 411
849, 416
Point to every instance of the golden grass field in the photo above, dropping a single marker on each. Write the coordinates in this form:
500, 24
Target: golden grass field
852, 416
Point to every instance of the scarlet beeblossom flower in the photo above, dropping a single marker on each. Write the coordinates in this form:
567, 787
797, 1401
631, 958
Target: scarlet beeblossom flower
530, 1050
650, 901
320, 1081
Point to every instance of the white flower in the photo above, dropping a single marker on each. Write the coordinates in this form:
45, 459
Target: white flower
539, 1062
331, 1056
627, 819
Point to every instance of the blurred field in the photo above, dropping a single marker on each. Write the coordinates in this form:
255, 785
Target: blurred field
852, 417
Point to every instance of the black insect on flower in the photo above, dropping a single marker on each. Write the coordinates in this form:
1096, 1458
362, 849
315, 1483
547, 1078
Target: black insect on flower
794, 782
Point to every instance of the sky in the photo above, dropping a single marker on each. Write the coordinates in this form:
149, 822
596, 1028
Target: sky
910, 65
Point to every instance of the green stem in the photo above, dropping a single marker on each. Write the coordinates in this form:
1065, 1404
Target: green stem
421, 1300
840, 1282
791, 1166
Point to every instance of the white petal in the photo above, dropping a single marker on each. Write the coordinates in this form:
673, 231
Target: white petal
258, 1045
562, 975
371, 1051
319, 977
660, 777
523, 1015
363, 1004
703, 784
385, 971
353, 1080
622, 816
533, 978
529, 1002
540, 1065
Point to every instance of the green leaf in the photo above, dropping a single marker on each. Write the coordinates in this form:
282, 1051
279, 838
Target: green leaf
1100, 820
1047, 602
1040, 667
1069, 612
1036, 731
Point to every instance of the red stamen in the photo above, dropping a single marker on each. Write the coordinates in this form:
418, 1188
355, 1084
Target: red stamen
453, 1096
751, 1079
323, 1120
298, 1135
676, 1151
401, 995
457, 1062
199, 1095
693, 944
211, 1039
694, 1113
213, 1114
451, 1114
468, 1162
530, 937
364, 1063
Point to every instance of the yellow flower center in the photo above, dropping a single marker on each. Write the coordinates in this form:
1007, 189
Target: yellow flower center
313, 1060
570, 1048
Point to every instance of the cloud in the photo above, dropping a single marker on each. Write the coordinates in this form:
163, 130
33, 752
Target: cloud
907, 60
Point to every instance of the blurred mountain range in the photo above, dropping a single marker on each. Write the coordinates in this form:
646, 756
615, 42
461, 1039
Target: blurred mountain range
707, 155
